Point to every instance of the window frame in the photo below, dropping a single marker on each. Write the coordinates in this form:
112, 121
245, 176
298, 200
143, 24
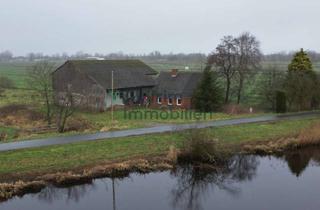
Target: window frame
177, 99
170, 98
159, 101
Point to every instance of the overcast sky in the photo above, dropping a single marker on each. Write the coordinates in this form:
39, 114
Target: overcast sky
142, 26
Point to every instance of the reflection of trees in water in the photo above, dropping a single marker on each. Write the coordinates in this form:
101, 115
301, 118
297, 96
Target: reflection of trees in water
299, 160
243, 168
194, 183
75, 193
316, 157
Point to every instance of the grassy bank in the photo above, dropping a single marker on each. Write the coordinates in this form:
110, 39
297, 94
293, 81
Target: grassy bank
21, 110
68, 157
7, 132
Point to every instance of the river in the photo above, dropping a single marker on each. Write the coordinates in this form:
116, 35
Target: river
291, 181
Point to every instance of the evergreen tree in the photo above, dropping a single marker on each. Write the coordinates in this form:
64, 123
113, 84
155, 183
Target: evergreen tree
208, 95
300, 62
302, 83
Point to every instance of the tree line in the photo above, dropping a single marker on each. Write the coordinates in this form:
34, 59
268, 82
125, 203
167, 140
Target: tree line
152, 56
237, 60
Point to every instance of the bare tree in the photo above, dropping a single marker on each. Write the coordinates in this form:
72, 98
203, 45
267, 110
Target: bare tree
66, 108
248, 59
39, 79
224, 59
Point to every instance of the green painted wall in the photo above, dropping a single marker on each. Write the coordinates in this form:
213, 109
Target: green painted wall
116, 98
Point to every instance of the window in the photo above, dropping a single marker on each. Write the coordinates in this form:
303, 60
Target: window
179, 101
170, 101
69, 87
159, 100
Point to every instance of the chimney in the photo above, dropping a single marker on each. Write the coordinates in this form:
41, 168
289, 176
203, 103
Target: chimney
174, 72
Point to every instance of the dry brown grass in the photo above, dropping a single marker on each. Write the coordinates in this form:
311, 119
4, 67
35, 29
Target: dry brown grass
10, 109
77, 124
309, 136
8, 190
21, 116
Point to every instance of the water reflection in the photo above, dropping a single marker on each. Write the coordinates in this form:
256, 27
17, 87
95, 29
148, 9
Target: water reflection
195, 183
190, 187
75, 193
298, 161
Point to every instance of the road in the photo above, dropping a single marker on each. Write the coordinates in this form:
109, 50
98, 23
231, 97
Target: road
151, 130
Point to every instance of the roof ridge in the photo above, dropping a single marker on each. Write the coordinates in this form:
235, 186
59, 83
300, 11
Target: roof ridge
106, 60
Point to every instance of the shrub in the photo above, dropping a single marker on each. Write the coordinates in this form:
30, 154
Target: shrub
200, 147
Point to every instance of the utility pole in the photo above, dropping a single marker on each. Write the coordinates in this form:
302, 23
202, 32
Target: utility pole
112, 98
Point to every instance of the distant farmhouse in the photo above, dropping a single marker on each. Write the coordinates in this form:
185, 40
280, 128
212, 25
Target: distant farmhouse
134, 82
175, 89
91, 81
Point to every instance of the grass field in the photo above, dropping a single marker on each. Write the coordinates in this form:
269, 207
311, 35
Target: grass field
18, 96
16, 72
81, 154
